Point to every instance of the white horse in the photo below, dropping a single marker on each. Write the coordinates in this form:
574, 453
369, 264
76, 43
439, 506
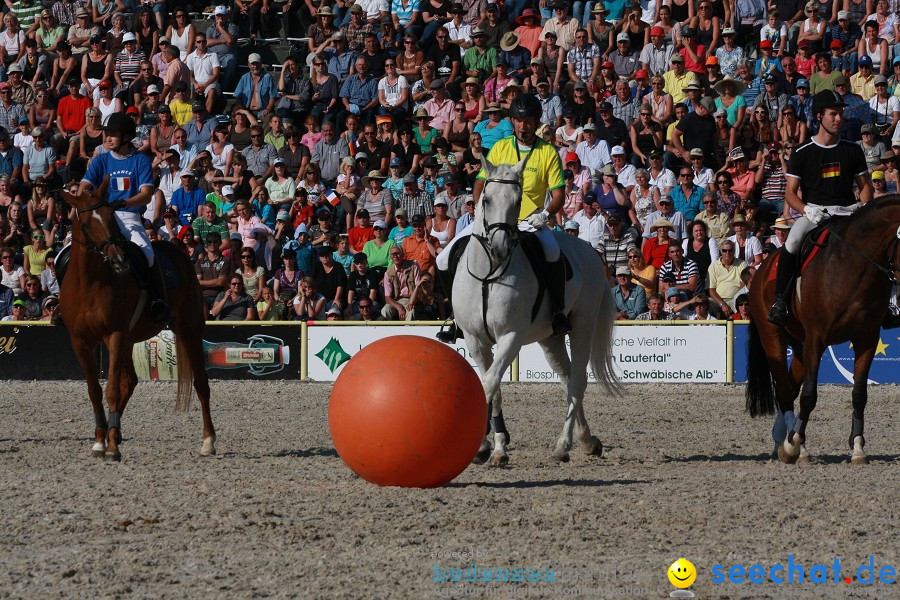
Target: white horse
494, 291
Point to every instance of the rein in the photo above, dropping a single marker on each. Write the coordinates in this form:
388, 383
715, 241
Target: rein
112, 240
891, 270
497, 270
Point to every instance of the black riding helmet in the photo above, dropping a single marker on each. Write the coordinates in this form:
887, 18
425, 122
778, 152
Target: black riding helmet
525, 105
122, 123
827, 99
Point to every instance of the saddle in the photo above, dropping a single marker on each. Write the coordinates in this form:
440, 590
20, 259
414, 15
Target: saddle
812, 243
534, 252
138, 262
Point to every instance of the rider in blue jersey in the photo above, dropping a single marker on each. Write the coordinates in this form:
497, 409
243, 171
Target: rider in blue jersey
130, 190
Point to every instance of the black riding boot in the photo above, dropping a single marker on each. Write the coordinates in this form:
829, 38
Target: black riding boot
159, 306
557, 290
452, 333
787, 262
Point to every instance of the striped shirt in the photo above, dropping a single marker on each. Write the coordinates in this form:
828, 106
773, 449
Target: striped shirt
682, 276
583, 59
128, 66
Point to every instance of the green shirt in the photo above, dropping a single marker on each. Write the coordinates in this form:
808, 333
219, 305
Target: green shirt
202, 228
484, 63
378, 257
26, 13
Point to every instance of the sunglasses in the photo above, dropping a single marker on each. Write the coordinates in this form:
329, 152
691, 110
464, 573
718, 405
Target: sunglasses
743, 304
726, 250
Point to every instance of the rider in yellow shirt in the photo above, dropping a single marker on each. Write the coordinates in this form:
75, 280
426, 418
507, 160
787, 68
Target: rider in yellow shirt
543, 174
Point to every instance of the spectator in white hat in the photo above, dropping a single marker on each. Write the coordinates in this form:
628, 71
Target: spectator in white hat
256, 90
128, 61
221, 40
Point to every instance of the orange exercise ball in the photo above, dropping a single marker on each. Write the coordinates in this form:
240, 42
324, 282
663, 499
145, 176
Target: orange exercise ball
407, 411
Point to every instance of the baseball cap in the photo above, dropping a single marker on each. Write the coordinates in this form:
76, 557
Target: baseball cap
880, 79
571, 226
836, 44
396, 162
128, 37
617, 151
105, 84
152, 89
227, 190
708, 103
14, 68
132, 110
254, 58
677, 58
400, 212
803, 83
441, 201
841, 80
711, 60
359, 256
867, 128
417, 219
19, 303
409, 178
766, 44
865, 61
623, 271
696, 153
843, 15
283, 215
673, 292
622, 37
188, 173
657, 30
589, 127
381, 224
877, 175
220, 10
198, 107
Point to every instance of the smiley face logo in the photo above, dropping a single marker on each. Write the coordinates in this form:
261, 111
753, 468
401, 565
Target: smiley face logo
682, 573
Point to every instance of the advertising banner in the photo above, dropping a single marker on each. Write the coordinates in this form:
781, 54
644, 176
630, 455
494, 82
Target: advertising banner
37, 352
331, 347
650, 353
231, 352
837, 362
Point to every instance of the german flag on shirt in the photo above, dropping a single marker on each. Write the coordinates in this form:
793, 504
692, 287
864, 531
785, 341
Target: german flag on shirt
831, 170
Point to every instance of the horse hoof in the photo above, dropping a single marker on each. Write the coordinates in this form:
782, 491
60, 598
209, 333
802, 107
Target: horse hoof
112, 457
859, 459
786, 456
98, 450
562, 457
481, 457
499, 460
594, 448
209, 447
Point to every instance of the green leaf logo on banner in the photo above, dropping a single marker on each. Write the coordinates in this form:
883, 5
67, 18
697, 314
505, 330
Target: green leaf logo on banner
333, 355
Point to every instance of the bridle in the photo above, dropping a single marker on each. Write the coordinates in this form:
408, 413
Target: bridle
115, 239
497, 268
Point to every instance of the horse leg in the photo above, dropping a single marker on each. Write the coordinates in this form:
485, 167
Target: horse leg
580, 344
865, 353
793, 447
114, 387
481, 354
192, 366
507, 348
87, 357
555, 351
127, 382
787, 386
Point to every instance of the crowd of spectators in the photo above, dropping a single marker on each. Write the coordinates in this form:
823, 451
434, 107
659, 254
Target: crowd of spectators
325, 186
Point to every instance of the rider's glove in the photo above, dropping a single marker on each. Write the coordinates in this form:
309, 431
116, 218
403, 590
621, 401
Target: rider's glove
117, 205
814, 214
538, 220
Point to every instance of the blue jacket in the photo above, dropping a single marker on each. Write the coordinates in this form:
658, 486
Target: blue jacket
634, 305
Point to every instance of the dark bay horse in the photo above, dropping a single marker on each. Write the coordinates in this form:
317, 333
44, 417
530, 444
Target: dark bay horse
100, 300
842, 296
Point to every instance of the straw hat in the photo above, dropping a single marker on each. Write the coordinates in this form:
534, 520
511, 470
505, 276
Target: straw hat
663, 222
373, 174
492, 108
738, 85
472, 81
421, 113
781, 223
739, 219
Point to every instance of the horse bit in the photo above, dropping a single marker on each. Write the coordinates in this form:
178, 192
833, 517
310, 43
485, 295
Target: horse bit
485, 240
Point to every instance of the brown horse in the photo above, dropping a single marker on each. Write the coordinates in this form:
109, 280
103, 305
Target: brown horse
842, 296
101, 300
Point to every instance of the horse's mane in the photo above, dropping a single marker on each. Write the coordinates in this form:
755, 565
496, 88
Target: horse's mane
862, 218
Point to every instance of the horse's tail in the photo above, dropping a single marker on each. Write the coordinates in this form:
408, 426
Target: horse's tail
760, 391
602, 349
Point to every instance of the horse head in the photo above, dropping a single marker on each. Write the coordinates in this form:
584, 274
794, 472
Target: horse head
497, 214
98, 227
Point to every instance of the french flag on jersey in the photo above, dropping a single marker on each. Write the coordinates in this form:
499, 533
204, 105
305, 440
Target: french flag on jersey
121, 184
332, 197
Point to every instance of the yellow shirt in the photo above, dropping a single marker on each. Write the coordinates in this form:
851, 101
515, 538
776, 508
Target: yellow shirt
863, 86
675, 85
543, 171
181, 112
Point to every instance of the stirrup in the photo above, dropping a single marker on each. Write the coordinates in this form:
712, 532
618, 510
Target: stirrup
778, 314
449, 335
560, 324
159, 310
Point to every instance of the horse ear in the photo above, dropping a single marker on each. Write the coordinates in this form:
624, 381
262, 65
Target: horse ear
488, 166
102, 189
519, 168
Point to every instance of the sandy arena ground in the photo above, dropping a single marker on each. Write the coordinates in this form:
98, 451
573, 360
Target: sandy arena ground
277, 514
